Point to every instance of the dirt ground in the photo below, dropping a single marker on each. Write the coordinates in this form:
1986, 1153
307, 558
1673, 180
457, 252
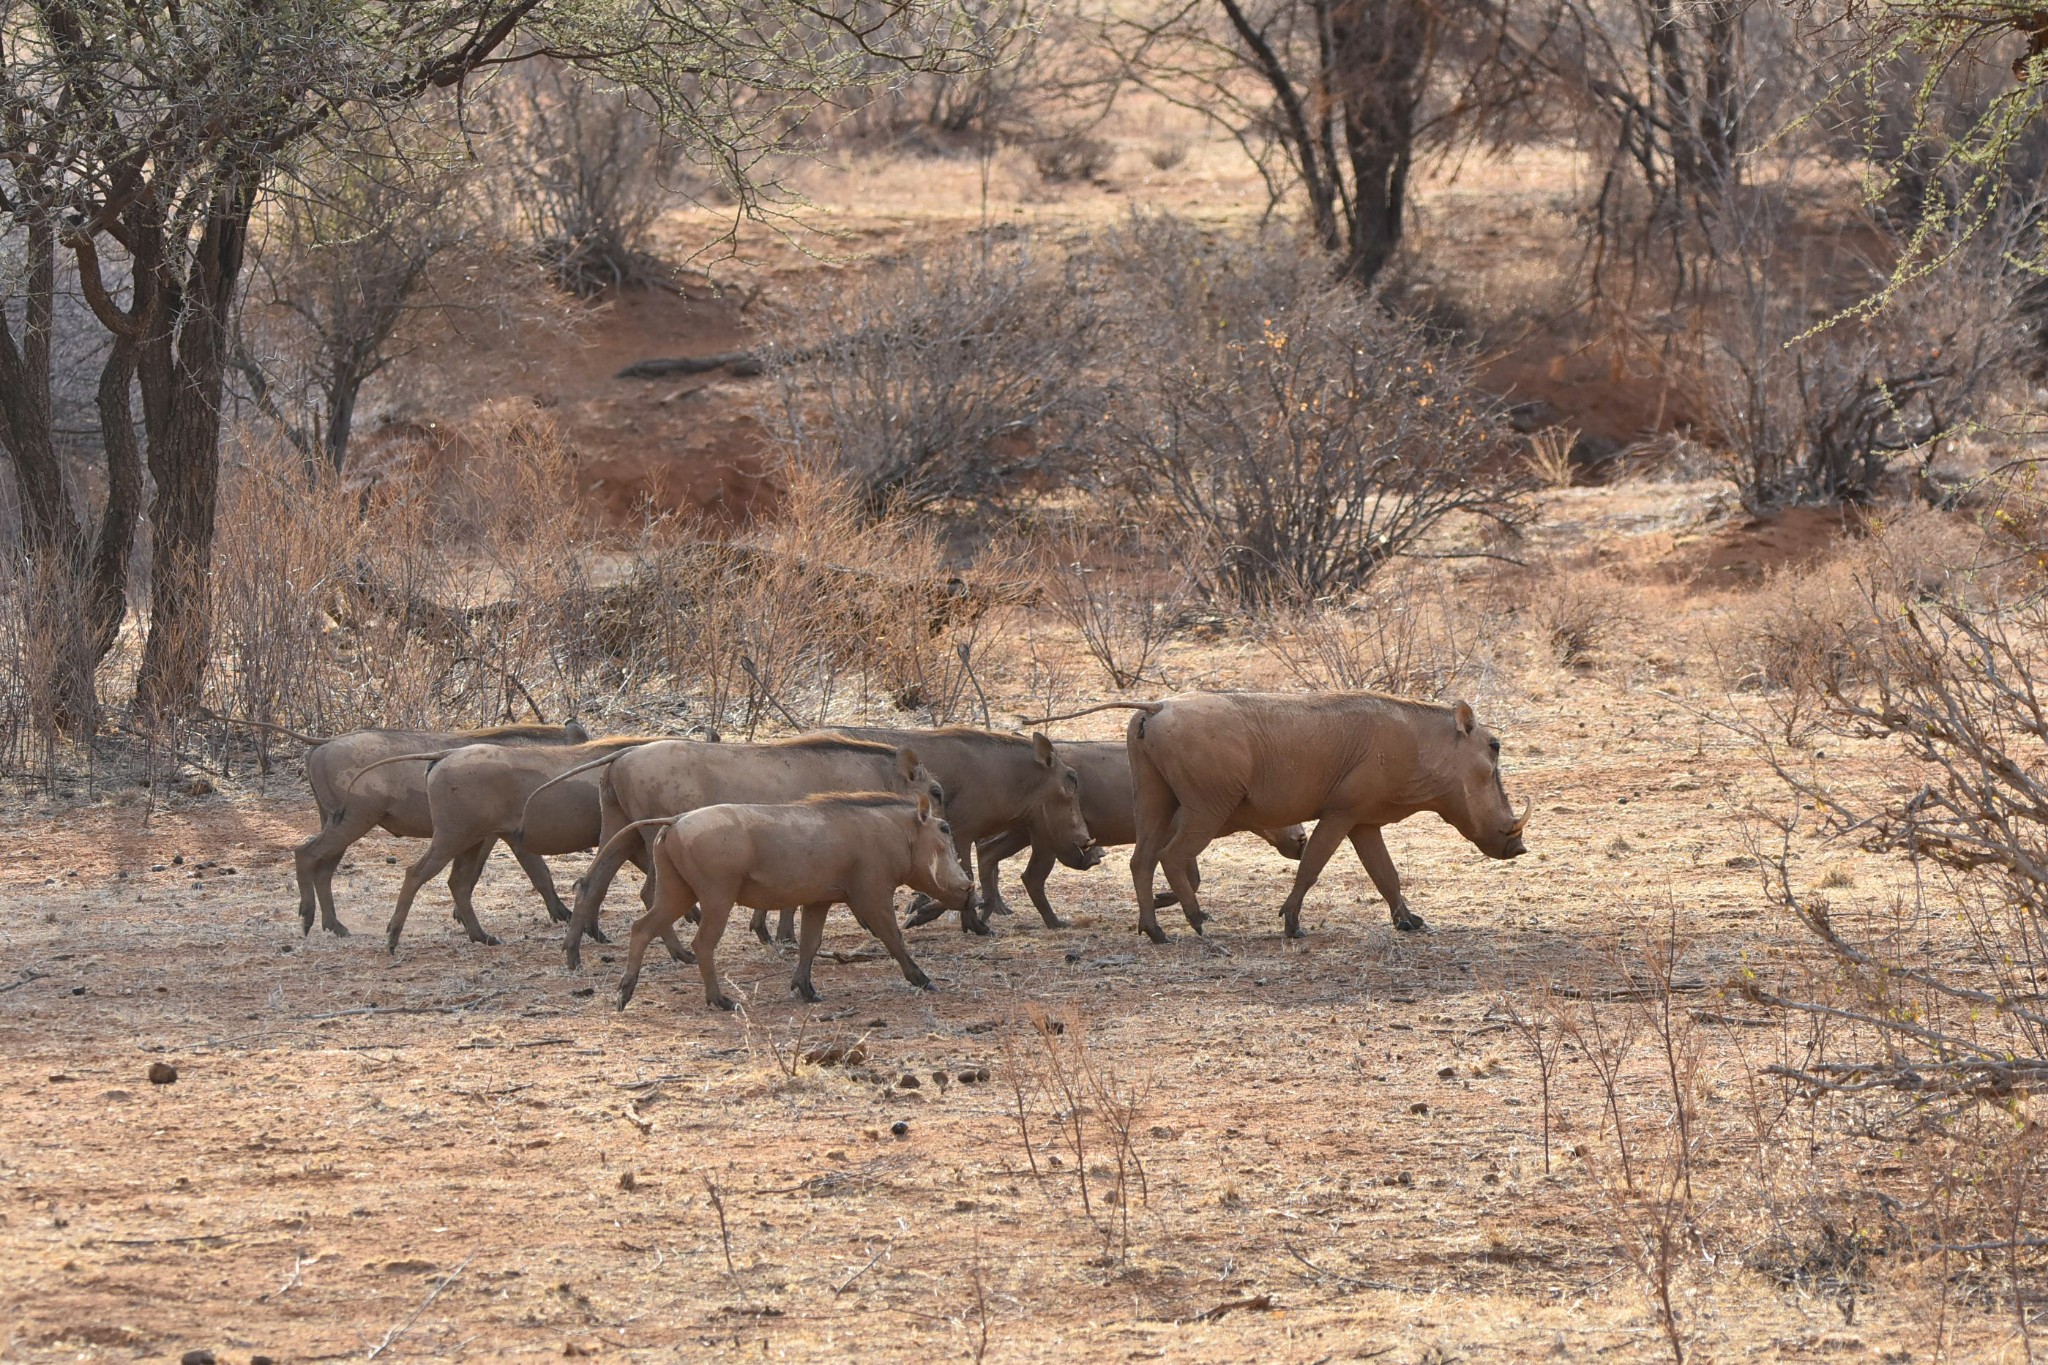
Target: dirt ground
465, 1152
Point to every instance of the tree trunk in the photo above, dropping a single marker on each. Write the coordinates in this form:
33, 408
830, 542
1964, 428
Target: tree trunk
1378, 54
182, 365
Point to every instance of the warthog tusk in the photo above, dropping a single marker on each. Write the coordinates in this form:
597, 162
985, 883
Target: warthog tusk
1519, 825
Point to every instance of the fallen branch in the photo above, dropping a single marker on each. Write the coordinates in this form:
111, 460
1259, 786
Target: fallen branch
841, 1287
26, 977
744, 364
361, 1010
1257, 1303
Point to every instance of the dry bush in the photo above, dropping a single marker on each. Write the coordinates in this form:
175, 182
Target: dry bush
1073, 158
1408, 631
1925, 1035
1550, 456
1124, 614
1579, 612
958, 376
1302, 435
1095, 1116
588, 171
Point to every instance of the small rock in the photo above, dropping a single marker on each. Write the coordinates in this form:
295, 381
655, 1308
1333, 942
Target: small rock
262, 1360
981, 1074
1419, 1107
908, 1082
1447, 1073
115, 1095
178, 861
78, 990
162, 1073
156, 867
391, 862
197, 1358
629, 1182
969, 1076
941, 1079
584, 991
899, 1129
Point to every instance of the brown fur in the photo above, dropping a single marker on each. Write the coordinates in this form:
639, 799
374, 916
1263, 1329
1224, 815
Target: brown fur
676, 776
1209, 763
395, 800
851, 849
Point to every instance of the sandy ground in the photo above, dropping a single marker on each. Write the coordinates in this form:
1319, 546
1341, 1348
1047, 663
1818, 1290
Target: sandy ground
465, 1152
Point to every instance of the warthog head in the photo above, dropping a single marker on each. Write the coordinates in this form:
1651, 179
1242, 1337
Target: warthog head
934, 866
914, 779
1476, 803
1055, 819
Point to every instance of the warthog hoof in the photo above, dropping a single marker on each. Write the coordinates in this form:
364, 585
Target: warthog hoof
597, 935
558, 912
996, 906
1153, 932
805, 991
333, 926
721, 1002
1408, 922
923, 983
1164, 899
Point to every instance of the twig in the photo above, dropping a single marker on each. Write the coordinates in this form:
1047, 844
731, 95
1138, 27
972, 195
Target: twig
1257, 1303
841, 1287
724, 1232
747, 665
398, 1009
298, 1265
400, 1330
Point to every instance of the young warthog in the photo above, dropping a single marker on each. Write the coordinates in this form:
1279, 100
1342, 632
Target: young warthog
395, 798
484, 792
662, 781
1211, 763
1108, 806
995, 782
850, 848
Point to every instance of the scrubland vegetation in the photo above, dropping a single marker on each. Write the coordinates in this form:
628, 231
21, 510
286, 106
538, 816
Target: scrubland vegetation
1665, 381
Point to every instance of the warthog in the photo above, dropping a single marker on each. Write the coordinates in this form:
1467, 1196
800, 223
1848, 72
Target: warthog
1108, 807
394, 798
1210, 763
996, 782
842, 848
664, 780
484, 792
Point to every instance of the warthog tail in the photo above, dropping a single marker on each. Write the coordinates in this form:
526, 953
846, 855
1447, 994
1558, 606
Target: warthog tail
313, 741
598, 880
1150, 708
604, 762
430, 758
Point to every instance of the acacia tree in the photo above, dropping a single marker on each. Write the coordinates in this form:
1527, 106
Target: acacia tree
139, 137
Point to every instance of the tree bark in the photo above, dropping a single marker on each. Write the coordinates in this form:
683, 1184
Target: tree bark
183, 364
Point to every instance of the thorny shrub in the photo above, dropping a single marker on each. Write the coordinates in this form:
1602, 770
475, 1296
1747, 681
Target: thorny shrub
1410, 630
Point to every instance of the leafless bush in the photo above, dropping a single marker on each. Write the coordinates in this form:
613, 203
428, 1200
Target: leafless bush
958, 376
1077, 156
1550, 455
1823, 413
1301, 435
1167, 155
588, 170
1123, 615
1095, 1119
1017, 63
1405, 632
1579, 613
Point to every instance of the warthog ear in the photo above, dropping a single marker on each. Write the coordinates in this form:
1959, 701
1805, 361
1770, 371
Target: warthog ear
1461, 712
924, 810
906, 764
1042, 746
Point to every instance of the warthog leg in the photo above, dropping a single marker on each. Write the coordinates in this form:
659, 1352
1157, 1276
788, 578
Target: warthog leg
1329, 832
536, 869
1379, 865
438, 856
809, 936
988, 862
785, 926
1193, 831
875, 910
316, 860
672, 897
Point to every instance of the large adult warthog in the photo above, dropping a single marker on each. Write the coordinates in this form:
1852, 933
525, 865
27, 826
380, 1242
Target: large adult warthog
481, 793
1211, 763
394, 797
664, 780
1108, 805
996, 782
851, 848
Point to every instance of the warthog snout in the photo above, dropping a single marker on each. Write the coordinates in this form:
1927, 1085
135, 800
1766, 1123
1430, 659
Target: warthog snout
1515, 848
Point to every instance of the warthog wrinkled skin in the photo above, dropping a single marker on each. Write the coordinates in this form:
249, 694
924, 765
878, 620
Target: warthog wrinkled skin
394, 798
525, 795
673, 777
843, 848
1211, 763
996, 782
1108, 805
